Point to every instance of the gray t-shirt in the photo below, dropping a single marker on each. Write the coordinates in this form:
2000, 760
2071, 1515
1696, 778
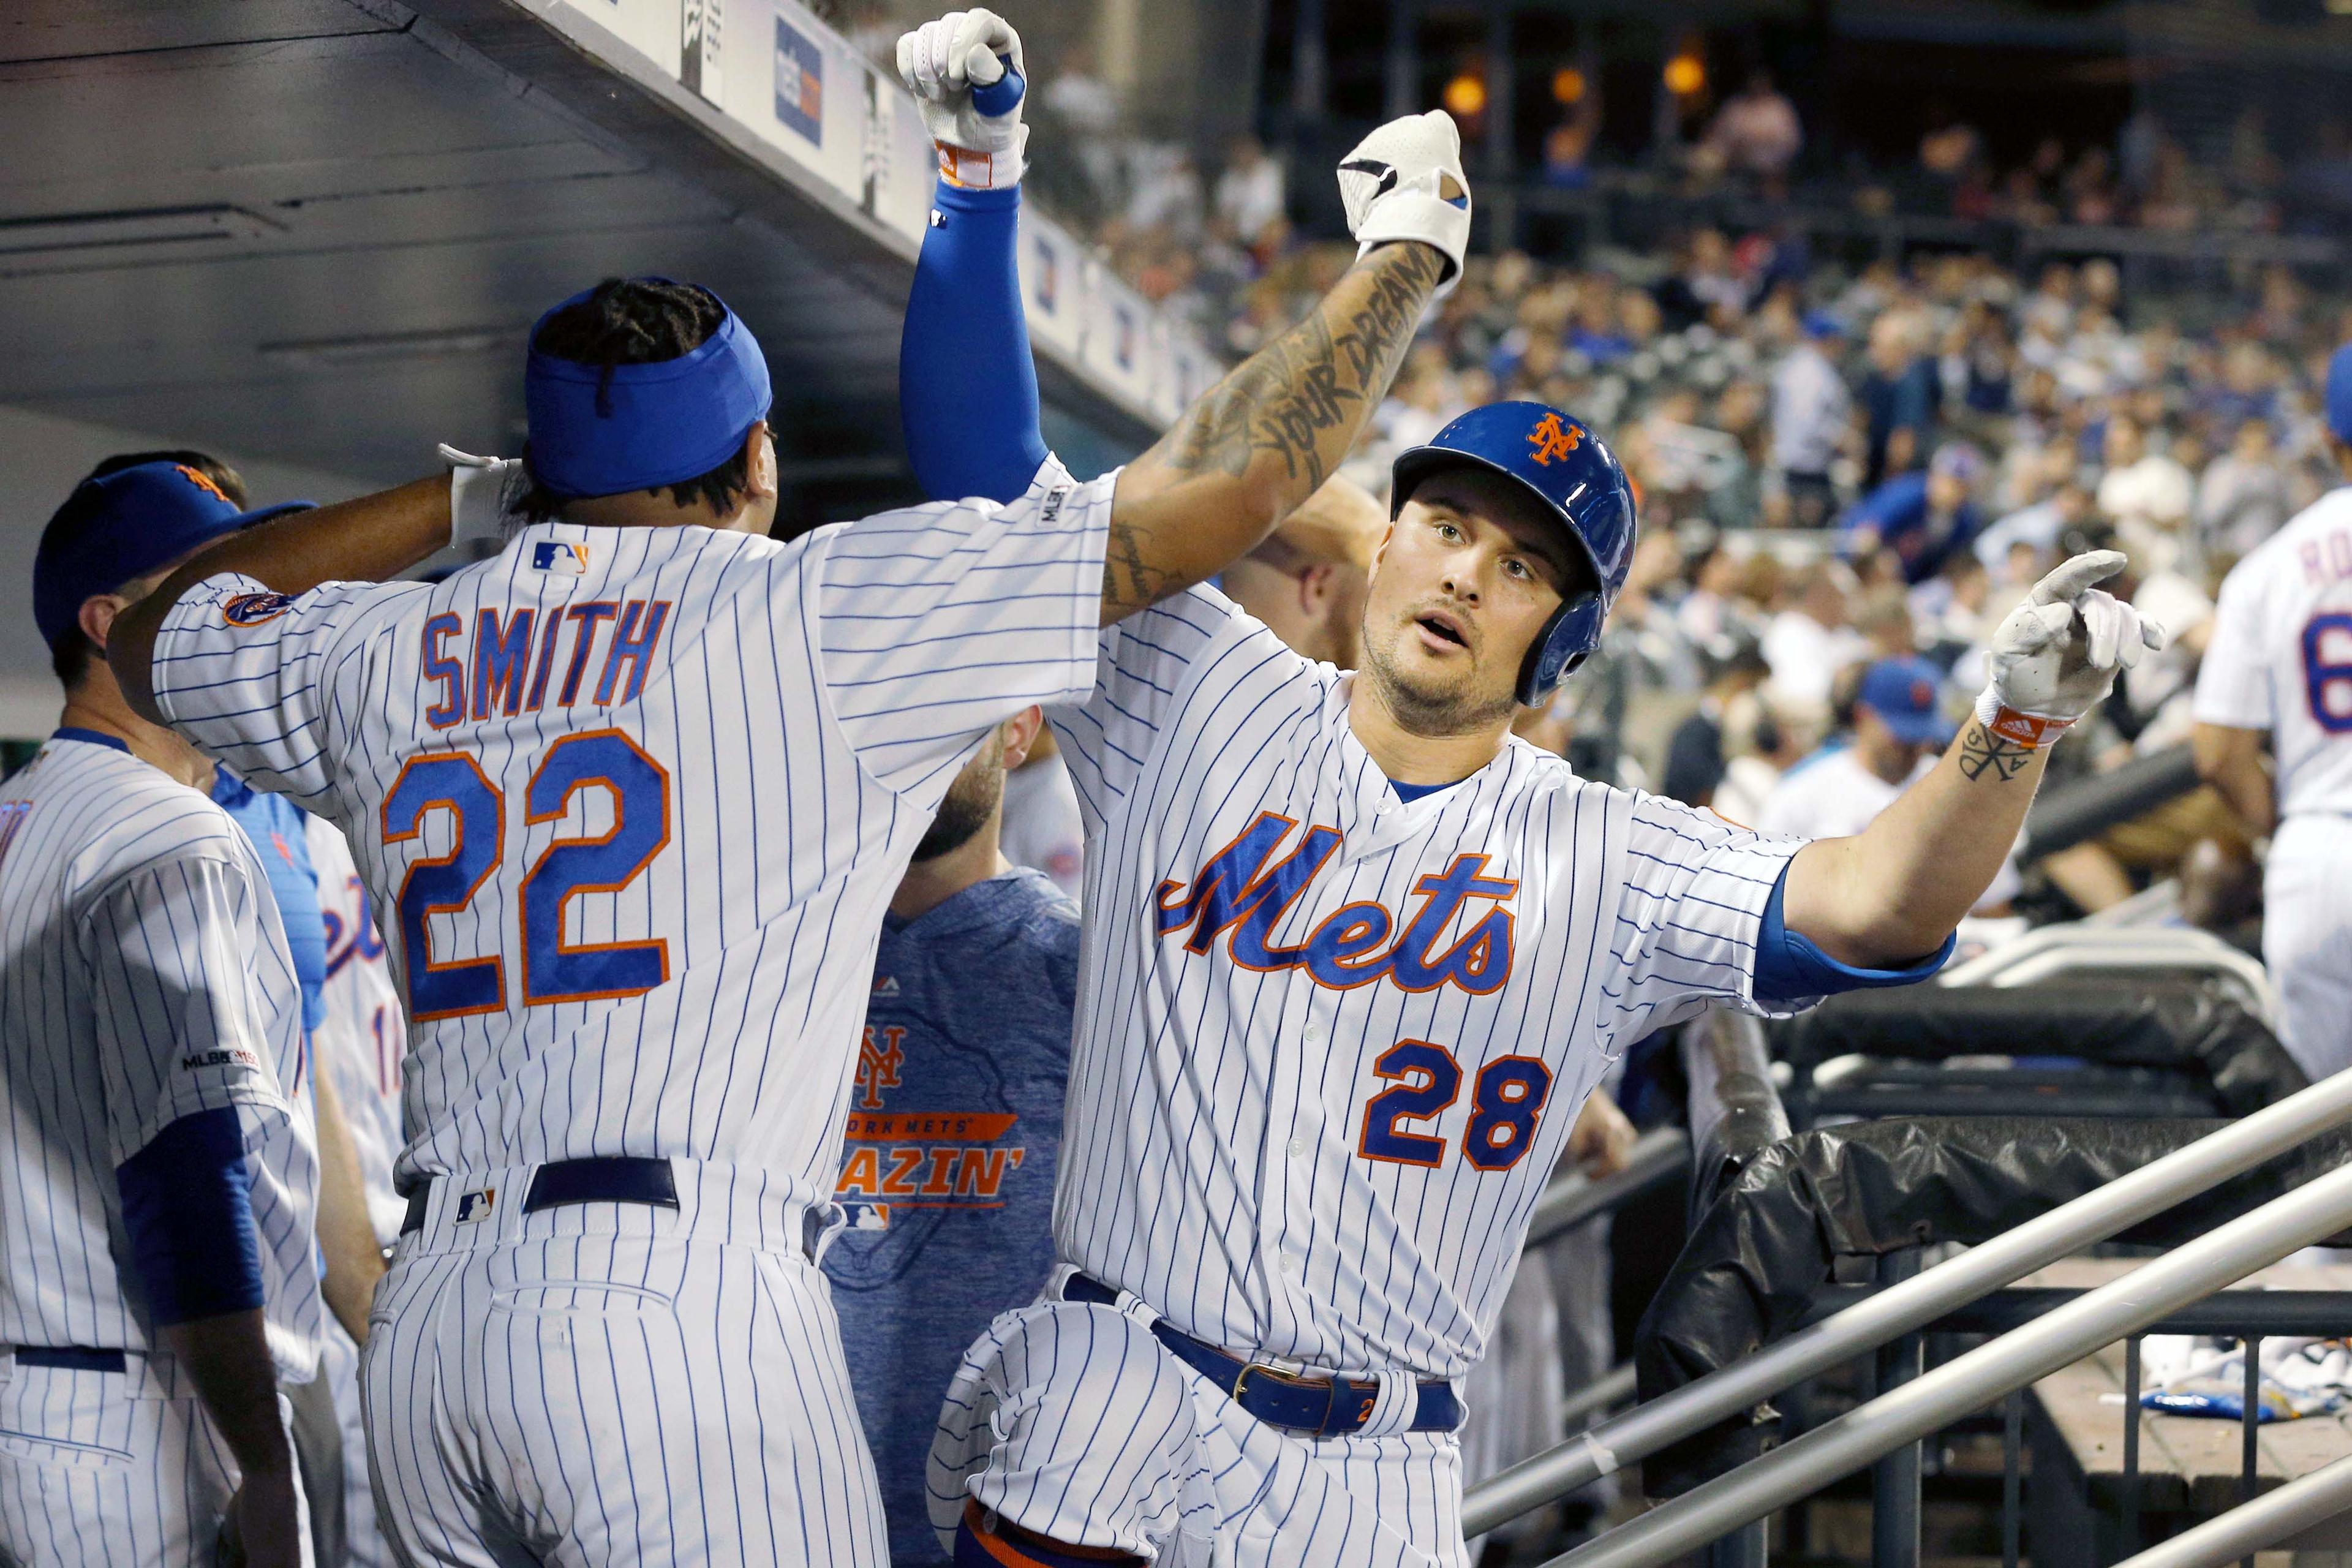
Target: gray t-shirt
955, 1123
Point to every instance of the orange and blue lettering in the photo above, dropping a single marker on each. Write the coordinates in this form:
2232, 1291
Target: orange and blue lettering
501, 657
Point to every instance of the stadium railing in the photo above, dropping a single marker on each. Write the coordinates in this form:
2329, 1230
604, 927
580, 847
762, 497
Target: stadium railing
1731, 1505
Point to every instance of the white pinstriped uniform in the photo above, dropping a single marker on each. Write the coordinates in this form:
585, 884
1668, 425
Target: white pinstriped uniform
2281, 660
358, 1046
688, 782
144, 978
1313, 1097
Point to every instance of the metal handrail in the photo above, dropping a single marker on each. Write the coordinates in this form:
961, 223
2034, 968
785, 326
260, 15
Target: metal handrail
2092, 1217
1659, 1156
2051, 950
2268, 1520
1971, 1382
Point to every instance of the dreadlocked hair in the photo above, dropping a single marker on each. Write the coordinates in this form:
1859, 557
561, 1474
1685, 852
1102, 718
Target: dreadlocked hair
637, 320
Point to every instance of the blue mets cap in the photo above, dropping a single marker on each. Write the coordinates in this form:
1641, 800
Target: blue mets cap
114, 529
2339, 393
1902, 692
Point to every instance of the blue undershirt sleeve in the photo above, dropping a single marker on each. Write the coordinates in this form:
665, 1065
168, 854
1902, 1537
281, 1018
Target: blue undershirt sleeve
187, 1202
967, 384
1790, 967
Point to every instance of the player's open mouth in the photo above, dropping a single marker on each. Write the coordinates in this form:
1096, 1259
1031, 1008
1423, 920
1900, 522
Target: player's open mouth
1439, 627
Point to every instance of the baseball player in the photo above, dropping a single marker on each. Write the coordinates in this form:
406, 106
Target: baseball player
358, 1046
1356, 957
157, 1276
633, 793
2279, 666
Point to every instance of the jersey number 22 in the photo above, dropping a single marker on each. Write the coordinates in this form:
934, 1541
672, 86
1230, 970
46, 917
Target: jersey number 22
553, 970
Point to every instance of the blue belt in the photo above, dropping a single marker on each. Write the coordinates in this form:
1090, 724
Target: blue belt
72, 1357
607, 1179
1325, 1406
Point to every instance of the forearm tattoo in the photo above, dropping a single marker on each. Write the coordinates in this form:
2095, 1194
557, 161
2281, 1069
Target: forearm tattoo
1982, 753
1301, 399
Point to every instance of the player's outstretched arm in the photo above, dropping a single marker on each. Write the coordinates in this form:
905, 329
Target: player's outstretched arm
370, 540
1891, 894
1266, 437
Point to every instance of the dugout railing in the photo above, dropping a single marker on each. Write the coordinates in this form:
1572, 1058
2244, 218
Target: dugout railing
1727, 1509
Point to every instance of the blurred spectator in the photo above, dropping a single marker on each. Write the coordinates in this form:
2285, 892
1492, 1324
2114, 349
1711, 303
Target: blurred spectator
1923, 518
2242, 498
1696, 758
1756, 133
1250, 191
2146, 494
1812, 414
1813, 639
1897, 397
1897, 727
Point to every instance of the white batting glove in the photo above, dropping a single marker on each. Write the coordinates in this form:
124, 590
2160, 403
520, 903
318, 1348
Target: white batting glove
1404, 181
966, 74
483, 495
2055, 657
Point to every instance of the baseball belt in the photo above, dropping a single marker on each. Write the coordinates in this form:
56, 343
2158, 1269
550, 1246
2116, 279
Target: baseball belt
1322, 1406
607, 1179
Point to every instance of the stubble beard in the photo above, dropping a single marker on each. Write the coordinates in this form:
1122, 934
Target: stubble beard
1431, 711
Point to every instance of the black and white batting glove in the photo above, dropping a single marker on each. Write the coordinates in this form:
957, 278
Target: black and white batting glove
485, 494
2056, 656
966, 74
1404, 181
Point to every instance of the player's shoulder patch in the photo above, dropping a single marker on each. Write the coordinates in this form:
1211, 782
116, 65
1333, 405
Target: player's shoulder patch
250, 610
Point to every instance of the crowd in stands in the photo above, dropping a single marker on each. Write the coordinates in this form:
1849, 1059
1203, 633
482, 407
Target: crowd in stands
1840, 470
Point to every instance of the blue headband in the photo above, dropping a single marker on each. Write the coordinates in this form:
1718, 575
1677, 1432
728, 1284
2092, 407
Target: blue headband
601, 431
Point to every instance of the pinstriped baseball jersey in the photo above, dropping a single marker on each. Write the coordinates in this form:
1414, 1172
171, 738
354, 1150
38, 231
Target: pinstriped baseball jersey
2281, 655
360, 1045
143, 977
1329, 1045
632, 802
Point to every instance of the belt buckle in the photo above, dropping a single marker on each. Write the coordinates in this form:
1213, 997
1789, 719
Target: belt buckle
1241, 1378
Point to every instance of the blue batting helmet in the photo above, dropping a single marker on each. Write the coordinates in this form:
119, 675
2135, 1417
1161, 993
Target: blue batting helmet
1578, 480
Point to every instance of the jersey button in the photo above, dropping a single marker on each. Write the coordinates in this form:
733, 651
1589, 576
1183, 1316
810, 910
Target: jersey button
1297, 1148
1314, 1031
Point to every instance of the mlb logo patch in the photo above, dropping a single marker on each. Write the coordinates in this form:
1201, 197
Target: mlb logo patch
560, 555
474, 1207
868, 1216
255, 609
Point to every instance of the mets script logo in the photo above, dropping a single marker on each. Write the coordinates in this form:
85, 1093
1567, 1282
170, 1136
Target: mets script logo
1551, 439
1245, 891
878, 1065
255, 609
560, 555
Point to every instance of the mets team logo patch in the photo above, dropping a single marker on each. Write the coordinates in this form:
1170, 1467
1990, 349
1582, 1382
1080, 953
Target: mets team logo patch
560, 555
255, 609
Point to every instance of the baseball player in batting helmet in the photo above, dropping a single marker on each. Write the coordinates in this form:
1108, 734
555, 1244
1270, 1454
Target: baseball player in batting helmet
1358, 956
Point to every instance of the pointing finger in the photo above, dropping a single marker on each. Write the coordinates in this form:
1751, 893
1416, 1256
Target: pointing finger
2073, 578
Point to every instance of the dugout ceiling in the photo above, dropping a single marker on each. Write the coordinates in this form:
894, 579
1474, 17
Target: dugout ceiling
317, 231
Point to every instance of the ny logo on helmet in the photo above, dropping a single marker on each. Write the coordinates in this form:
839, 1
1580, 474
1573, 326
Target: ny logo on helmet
1551, 439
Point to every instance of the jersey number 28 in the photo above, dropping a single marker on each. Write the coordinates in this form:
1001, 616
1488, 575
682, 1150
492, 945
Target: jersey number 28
1505, 1103
553, 970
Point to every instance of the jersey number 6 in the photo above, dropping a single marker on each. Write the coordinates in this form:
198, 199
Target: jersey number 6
553, 970
1505, 1103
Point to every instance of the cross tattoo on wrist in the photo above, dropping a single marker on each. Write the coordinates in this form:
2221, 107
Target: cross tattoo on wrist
1982, 753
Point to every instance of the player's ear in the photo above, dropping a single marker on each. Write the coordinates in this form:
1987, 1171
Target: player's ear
98, 615
759, 462
1021, 733
1380, 551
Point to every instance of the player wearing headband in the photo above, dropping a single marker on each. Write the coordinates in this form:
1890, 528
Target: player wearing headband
632, 796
